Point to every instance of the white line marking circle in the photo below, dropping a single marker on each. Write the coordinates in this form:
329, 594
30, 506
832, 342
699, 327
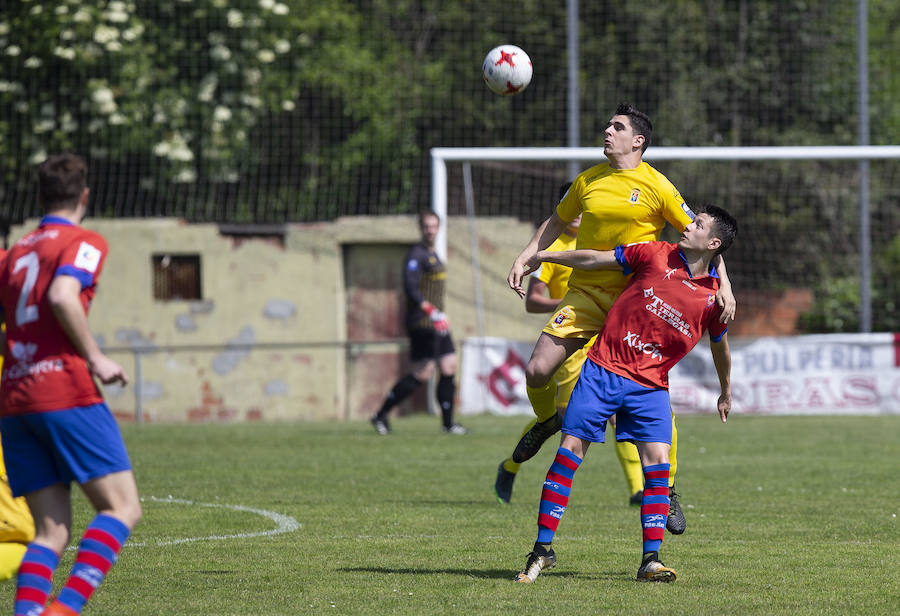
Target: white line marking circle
283, 523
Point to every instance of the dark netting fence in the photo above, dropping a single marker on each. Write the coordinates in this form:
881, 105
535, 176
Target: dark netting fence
274, 111
799, 223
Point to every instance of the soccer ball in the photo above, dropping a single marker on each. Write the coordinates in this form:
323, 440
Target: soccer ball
507, 70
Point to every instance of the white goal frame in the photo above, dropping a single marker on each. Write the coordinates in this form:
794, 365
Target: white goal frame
862, 153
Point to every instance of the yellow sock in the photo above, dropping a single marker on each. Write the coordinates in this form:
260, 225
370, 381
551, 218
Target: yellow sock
543, 400
10, 558
508, 464
673, 459
631, 465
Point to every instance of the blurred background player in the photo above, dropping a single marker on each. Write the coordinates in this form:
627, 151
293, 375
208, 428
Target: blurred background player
664, 311
546, 287
16, 524
428, 328
55, 426
622, 201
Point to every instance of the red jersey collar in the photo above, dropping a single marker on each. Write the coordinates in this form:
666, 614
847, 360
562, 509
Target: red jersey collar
712, 268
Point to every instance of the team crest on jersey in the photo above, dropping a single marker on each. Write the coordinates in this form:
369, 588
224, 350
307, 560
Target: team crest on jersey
88, 257
635, 196
560, 317
648, 292
709, 300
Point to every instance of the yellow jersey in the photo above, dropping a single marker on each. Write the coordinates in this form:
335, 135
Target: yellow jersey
617, 207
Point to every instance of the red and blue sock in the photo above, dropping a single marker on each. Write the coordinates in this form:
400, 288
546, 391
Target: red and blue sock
99, 548
555, 495
35, 579
655, 506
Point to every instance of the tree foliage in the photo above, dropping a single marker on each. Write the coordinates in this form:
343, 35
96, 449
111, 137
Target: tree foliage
295, 110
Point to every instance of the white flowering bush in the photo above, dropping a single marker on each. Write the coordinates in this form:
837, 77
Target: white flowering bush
195, 91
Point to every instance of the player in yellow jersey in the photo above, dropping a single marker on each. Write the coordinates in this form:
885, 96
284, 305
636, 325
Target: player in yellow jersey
546, 287
622, 201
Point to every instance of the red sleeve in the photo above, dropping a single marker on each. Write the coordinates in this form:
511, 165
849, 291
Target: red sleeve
83, 258
714, 324
632, 256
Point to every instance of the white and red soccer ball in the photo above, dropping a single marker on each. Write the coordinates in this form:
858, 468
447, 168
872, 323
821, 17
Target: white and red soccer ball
507, 70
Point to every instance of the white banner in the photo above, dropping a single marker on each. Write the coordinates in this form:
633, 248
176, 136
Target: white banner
816, 374
493, 376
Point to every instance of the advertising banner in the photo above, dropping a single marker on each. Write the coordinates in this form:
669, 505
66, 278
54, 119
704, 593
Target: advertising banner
815, 374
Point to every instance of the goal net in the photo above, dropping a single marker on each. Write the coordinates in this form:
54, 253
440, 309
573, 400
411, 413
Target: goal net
821, 224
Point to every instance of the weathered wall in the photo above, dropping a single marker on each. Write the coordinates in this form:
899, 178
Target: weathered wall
287, 301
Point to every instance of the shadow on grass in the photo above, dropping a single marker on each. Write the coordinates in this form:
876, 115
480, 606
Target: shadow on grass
488, 574
492, 503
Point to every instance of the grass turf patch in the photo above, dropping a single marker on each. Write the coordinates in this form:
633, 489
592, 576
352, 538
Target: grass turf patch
785, 514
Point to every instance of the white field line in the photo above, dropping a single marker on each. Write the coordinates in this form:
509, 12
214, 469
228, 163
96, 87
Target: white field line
283, 523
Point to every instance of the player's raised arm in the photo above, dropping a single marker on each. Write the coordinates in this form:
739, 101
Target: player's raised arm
584, 258
722, 360
549, 230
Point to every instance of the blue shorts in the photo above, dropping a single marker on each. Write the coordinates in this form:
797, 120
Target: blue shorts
643, 413
77, 444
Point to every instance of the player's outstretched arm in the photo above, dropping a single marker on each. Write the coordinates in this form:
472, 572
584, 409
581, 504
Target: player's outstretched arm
549, 230
64, 299
725, 296
722, 360
584, 258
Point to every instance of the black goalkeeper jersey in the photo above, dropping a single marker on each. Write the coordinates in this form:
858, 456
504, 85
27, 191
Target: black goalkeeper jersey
424, 278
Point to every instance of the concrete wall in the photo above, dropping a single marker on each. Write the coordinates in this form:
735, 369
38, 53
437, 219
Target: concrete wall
286, 300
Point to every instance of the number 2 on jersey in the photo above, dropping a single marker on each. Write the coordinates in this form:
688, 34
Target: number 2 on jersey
26, 313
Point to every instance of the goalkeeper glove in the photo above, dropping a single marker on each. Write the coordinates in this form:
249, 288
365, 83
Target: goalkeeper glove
438, 319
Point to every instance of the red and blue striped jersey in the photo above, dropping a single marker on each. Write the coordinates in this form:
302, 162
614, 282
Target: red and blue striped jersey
660, 316
42, 371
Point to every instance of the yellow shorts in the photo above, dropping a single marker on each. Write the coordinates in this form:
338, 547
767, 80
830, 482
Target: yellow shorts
567, 375
581, 313
16, 523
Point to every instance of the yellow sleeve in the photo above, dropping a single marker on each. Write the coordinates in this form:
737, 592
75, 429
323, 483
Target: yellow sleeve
570, 206
675, 210
545, 274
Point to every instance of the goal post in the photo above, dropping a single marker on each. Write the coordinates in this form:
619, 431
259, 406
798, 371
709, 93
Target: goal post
783, 200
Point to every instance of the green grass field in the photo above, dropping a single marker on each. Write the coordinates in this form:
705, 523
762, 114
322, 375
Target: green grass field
786, 515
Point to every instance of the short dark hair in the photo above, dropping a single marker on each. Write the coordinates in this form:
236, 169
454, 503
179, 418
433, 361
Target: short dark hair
640, 122
61, 180
725, 226
423, 214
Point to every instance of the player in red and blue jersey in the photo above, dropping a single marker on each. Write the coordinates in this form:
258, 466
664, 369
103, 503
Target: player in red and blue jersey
660, 316
55, 426
16, 524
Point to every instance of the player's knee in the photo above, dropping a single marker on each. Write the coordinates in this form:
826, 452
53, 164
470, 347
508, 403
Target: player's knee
129, 513
133, 513
423, 371
55, 536
536, 376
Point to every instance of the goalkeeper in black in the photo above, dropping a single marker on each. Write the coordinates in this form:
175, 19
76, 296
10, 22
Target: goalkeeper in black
430, 342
